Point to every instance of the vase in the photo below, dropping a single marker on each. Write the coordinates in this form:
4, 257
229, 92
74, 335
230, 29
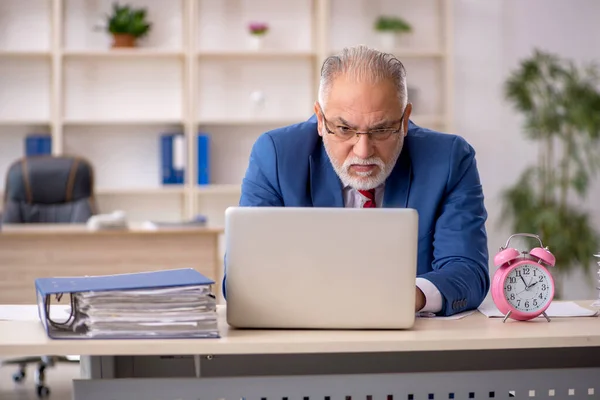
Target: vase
256, 42
387, 40
123, 40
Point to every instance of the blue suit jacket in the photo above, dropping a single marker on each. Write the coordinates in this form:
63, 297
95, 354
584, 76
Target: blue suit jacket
436, 174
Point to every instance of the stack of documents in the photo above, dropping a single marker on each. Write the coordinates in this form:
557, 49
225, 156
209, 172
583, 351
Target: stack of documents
162, 304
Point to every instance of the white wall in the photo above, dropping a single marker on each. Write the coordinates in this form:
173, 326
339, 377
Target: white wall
491, 37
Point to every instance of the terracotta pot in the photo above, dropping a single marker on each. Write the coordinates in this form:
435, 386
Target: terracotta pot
123, 40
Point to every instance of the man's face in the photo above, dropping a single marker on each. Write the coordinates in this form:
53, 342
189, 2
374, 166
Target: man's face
363, 161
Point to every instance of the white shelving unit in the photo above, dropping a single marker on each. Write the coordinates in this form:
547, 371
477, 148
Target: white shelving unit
193, 73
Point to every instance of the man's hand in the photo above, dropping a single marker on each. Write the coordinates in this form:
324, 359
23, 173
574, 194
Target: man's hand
419, 300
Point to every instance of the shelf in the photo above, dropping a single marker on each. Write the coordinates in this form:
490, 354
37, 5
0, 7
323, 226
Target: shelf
124, 53
411, 53
216, 189
251, 122
256, 54
24, 54
23, 122
159, 190
120, 122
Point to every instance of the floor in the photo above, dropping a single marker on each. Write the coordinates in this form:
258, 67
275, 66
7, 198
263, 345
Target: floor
58, 379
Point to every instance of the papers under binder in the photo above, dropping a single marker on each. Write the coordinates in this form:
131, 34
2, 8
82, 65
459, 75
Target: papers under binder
162, 304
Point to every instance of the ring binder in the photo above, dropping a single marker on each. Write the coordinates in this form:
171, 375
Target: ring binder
175, 303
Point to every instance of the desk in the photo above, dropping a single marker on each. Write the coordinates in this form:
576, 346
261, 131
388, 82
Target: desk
30, 251
474, 355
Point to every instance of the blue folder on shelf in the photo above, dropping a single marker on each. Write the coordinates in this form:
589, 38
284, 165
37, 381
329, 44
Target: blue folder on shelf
175, 303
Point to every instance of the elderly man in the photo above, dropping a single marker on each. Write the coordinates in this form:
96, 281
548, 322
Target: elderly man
361, 150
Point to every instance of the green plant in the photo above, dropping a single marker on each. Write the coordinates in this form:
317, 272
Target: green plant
392, 24
560, 104
126, 20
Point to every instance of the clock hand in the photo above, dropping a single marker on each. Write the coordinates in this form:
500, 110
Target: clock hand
523, 279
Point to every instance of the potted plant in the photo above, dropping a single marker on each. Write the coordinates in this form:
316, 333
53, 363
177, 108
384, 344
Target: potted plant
389, 29
257, 31
560, 104
127, 25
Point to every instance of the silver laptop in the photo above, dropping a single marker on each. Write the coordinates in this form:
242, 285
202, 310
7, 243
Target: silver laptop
321, 268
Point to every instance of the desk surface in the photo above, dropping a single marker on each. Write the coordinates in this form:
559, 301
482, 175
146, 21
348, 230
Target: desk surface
78, 229
475, 332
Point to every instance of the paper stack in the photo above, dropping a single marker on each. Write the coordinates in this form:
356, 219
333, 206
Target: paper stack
597, 302
175, 303
172, 312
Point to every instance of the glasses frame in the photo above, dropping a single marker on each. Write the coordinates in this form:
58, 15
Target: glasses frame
356, 134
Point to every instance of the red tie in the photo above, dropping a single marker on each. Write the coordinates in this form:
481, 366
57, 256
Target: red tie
370, 195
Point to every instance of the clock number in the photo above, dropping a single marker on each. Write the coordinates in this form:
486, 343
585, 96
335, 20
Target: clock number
541, 278
519, 303
518, 273
512, 296
541, 296
526, 303
513, 279
535, 303
526, 271
534, 271
544, 287
508, 288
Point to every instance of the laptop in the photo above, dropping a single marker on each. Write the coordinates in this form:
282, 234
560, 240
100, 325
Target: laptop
321, 268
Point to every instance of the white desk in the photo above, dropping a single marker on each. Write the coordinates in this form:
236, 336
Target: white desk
473, 355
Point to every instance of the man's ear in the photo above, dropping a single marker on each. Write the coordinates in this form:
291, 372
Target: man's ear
317, 110
406, 119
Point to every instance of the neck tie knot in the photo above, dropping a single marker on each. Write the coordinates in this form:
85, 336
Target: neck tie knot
370, 195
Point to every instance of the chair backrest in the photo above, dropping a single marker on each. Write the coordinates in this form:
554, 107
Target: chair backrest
49, 189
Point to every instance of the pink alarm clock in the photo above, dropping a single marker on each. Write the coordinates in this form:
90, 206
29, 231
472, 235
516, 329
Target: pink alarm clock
523, 287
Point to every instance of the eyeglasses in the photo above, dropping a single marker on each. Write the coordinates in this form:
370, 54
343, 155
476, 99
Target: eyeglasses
344, 133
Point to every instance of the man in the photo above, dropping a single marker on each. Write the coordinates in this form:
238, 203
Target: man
361, 150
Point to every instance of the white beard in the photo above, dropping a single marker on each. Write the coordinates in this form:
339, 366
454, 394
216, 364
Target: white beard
364, 180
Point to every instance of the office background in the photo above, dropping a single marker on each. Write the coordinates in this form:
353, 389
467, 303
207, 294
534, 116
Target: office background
198, 73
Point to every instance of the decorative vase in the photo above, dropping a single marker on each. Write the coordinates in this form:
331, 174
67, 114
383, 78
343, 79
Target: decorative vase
123, 40
387, 40
256, 42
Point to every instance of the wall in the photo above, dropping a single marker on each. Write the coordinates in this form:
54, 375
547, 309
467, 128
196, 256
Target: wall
490, 38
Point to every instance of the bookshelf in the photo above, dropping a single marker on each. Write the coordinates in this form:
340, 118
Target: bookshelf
194, 73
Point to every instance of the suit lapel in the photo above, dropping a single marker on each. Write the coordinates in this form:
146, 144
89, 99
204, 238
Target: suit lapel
325, 185
397, 185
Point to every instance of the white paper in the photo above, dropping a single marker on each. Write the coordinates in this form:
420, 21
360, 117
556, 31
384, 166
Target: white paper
557, 309
26, 312
450, 317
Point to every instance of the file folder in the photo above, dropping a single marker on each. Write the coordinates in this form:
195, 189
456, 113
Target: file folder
181, 294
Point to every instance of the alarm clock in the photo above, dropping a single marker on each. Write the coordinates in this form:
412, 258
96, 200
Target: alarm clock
522, 287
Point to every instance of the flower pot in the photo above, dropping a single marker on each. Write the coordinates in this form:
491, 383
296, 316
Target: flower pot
387, 40
256, 42
123, 40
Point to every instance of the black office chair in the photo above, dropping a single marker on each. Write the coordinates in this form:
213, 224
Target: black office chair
47, 189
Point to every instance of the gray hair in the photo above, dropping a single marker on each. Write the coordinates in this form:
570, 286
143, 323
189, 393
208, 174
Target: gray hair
363, 63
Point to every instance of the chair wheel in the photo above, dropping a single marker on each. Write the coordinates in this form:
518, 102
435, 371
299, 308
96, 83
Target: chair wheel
19, 376
42, 391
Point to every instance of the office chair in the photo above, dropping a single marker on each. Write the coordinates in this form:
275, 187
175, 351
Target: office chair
47, 189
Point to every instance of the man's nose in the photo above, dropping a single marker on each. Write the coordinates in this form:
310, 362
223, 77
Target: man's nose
364, 147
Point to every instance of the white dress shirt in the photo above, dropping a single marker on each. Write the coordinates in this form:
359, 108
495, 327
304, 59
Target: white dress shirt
433, 297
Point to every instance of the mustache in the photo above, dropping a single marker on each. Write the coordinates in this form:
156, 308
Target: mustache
363, 161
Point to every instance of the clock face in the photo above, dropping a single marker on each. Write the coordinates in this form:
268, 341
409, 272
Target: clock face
528, 287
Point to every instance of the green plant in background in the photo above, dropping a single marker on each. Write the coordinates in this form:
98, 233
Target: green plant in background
560, 104
392, 24
127, 24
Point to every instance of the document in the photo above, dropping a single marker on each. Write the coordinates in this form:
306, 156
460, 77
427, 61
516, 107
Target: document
27, 312
557, 309
425, 315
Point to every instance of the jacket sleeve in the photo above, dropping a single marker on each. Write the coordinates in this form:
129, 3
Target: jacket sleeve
460, 251
260, 186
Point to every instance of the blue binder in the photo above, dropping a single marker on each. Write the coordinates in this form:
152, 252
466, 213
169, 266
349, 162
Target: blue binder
38, 145
61, 286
